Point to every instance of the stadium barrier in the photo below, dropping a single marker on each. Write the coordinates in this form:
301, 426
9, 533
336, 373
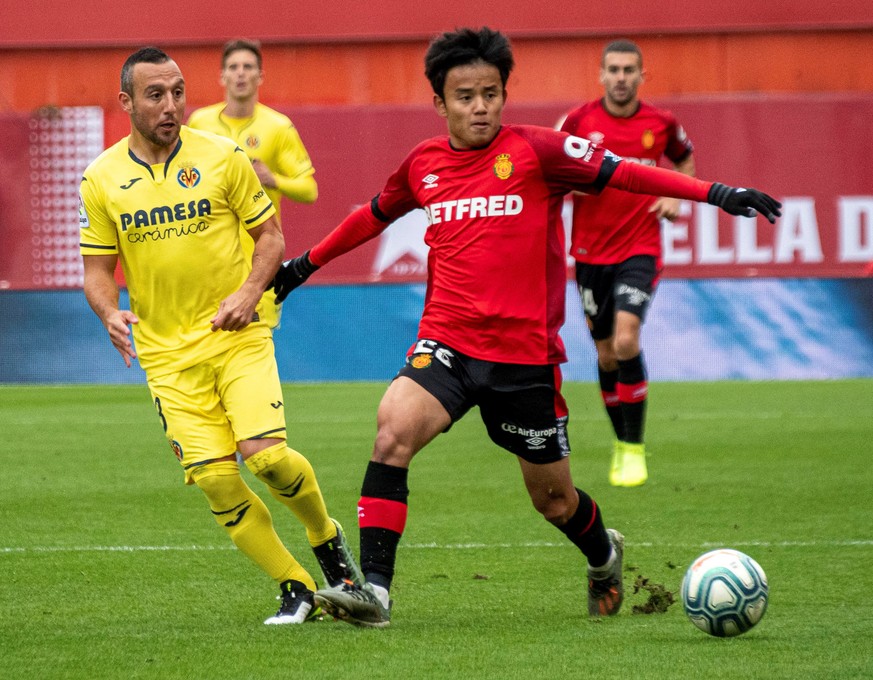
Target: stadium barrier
739, 298
708, 329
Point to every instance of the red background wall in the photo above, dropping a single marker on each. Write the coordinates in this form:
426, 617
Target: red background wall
348, 72
55, 53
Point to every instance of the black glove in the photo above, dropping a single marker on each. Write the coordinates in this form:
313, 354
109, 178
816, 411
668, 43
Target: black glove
745, 202
291, 274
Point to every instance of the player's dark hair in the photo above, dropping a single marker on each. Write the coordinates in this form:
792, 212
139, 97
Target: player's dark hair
622, 45
466, 46
144, 55
253, 46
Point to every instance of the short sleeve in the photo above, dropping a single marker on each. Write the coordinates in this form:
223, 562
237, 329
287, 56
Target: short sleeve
245, 195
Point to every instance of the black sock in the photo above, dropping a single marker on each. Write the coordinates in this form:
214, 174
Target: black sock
608, 393
382, 517
633, 392
585, 529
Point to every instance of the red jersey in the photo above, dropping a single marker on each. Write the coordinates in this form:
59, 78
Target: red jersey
615, 225
496, 268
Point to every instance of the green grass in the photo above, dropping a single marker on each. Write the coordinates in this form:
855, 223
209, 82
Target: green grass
111, 568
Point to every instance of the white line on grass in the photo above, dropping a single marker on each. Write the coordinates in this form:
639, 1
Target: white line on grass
438, 546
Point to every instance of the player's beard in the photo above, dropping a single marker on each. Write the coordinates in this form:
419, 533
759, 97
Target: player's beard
627, 95
157, 135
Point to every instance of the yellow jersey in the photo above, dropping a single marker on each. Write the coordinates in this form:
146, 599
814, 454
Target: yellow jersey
270, 137
176, 229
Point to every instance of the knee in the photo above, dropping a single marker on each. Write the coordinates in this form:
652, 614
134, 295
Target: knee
223, 487
273, 465
556, 508
627, 345
390, 449
606, 357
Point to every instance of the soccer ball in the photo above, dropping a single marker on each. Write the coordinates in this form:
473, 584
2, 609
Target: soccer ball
724, 592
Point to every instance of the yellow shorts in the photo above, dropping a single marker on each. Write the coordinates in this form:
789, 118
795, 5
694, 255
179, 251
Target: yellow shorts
207, 408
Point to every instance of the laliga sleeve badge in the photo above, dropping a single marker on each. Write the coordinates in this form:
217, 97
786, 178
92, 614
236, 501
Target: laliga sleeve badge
177, 449
84, 223
421, 360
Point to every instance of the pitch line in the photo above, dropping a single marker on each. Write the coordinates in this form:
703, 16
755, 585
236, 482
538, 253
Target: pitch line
447, 546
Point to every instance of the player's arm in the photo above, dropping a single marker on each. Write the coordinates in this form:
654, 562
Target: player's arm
302, 189
359, 227
667, 207
642, 179
292, 174
237, 310
101, 291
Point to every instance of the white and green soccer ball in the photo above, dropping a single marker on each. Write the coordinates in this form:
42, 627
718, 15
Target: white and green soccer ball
724, 592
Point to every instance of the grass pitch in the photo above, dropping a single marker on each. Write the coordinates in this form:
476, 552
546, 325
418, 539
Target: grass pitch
111, 568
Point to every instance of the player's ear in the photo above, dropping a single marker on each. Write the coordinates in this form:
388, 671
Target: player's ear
440, 105
125, 101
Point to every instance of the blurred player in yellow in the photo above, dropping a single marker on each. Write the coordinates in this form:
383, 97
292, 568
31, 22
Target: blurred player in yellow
169, 202
268, 137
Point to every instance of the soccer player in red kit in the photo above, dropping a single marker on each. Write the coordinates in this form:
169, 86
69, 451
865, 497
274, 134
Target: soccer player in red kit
616, 242
488, 336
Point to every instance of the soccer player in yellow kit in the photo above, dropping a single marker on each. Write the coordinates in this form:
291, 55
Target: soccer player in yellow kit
268, 138
169, 202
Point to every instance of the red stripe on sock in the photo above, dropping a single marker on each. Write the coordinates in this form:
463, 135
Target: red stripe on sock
593, 517
610, 398
632, 394
382, 513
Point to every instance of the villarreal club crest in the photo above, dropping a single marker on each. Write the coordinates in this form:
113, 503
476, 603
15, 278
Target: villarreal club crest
188, 177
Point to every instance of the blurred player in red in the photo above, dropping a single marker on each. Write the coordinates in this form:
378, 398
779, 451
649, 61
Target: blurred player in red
616, 243
488, 336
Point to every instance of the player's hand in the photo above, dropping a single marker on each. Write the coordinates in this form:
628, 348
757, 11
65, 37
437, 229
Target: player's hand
118, 326
292, 273
237, 310
745, 202
666, 208
267, 178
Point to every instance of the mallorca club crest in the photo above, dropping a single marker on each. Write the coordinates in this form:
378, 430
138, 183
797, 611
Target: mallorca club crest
421, 361
648, 139
503, 167
253, 141
189, 176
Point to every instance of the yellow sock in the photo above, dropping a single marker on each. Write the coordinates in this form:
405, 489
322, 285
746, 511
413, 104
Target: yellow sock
247, 521
291, 480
